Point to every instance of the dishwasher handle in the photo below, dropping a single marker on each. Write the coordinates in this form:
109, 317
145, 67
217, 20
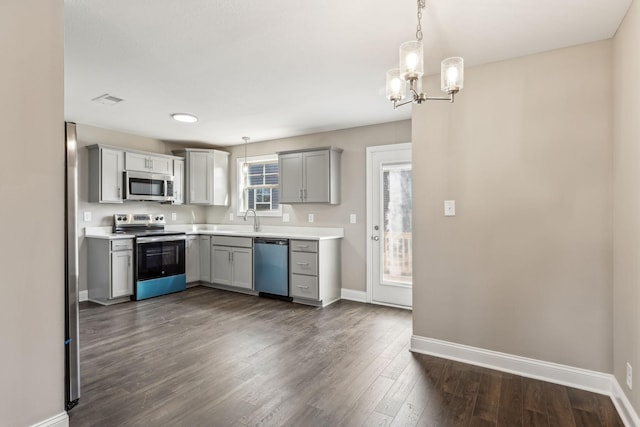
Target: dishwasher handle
268, 241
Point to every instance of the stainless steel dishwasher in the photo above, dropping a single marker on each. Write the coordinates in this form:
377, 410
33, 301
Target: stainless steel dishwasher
271, 266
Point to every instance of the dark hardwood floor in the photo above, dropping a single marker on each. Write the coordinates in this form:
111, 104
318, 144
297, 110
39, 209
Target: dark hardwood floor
205, 357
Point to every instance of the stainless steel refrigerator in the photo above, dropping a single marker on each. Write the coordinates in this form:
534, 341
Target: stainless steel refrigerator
71, 343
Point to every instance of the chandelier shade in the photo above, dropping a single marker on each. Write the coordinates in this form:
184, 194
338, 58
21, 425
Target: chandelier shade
452, 75
411, 60
396, 86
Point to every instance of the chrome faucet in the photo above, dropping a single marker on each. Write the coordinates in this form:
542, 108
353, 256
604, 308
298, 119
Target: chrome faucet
256, 220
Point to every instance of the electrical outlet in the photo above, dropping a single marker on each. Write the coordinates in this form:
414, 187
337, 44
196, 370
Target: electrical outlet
449, 208
285, 217
174, 216
352, 218
629, 376
311, 218
230, 216
87, 216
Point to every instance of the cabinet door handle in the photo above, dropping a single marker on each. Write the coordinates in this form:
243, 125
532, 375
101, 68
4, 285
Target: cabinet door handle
303, 287
300, 194
129, 260
302, 263
304, 194
302, 246
119, 193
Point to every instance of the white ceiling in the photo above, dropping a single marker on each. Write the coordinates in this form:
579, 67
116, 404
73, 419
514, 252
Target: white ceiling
272, 69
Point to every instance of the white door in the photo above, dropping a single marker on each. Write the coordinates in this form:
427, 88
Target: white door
389, 224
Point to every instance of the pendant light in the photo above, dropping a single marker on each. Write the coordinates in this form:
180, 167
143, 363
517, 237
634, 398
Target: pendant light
411, 70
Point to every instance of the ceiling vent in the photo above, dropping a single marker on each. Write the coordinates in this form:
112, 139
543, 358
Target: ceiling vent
107, 99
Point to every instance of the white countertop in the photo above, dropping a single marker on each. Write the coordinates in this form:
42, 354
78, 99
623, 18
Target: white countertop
305, 233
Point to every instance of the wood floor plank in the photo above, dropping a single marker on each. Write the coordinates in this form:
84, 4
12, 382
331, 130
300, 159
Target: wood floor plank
510, 409
558, 406
486, 407
206, 357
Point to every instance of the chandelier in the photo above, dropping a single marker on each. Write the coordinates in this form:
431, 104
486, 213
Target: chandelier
411, 71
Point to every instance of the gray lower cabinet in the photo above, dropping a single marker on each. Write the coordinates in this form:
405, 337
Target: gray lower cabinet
315, 271
110, 272
204, 257
232, 261
193, 259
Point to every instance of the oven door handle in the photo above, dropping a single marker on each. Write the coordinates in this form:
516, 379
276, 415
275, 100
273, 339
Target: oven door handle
161, 239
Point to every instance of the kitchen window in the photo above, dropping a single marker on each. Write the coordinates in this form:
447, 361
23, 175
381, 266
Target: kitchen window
258, 185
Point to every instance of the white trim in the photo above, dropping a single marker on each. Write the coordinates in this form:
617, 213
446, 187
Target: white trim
386, 304
570, 376
83, 296
254, 159
60, 420
625, 409
560, 374
369, 200
351, 295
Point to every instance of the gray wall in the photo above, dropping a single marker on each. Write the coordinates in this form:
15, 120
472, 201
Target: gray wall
626, 272
354, 142
32, 189
526, 265
102, 213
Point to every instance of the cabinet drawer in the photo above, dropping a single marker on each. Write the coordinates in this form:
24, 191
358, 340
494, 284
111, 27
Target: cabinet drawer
122, 245
304, 263
304, 245
238, 242
303, 286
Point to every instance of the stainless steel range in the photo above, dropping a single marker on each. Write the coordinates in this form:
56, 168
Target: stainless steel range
159, 255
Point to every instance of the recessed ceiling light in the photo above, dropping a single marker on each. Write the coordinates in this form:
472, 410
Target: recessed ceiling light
184, 117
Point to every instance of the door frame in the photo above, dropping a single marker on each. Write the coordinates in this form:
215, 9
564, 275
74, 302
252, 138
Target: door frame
369, 224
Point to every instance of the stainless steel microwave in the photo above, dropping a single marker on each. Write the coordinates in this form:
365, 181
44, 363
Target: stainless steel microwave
146, 186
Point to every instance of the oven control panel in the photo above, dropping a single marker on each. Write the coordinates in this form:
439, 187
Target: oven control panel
139, 219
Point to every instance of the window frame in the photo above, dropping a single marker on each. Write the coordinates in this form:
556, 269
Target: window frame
269, 158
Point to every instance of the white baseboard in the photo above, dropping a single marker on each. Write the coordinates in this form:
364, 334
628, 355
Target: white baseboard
624, 407
570, 376
83, 296
351, 295
60, 420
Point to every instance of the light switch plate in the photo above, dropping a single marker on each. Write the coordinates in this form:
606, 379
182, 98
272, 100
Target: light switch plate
230, 216
311, 217
449, 208
352, 218
174, 216
87, 216
285, 217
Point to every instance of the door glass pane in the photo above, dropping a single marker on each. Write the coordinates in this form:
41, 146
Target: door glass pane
397, 210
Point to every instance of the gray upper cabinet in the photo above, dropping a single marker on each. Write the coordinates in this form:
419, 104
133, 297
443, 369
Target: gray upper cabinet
310, 176
105, 174
178, 181
143, 162
107, 164
206, 177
